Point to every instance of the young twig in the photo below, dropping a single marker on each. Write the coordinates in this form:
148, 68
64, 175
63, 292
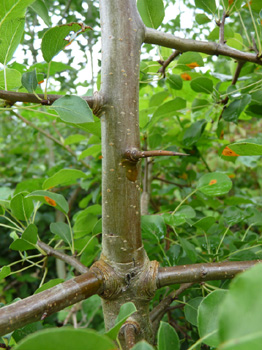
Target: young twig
166, 63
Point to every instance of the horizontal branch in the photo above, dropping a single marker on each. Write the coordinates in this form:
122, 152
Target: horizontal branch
14, 97
134, 155
64, 257
41, 305
201, 272
153, 36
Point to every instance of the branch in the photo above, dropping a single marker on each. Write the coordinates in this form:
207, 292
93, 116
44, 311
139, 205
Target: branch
153, 36
130, 329
240, 64
39, 306
134, 155
62, 256
221, 25
163, 306
158, 312
49, 136
165, 63
14, 97
201, 272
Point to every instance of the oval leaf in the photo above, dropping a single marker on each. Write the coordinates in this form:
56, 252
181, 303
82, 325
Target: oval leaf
214, 184
167, 337
63, 177
66, 339
73, 109
62, 230
240, 314
54, 39
50, 198
152, 12
202, 84
208, 317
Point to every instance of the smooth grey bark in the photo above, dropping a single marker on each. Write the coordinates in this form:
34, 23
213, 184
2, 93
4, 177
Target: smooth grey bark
123, 253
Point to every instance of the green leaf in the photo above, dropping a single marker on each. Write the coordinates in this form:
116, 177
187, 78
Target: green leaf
62, 230
181, 216
41, 10
168, 109
48, 285
30, 234
153, 225
152, 12
202, 84
126, 310
54, 39
29, 81
4, 272
214, 184
50, 198
98, 227
189, 249
63, 177
194, 132
233, 215
249, 147
198, 104
91, 151
175, 81
13, 9
240, 314
143, 345
191, 59
205, 223
73, 109
66, 339
191, 309
201, 18
208, 317
235, 108
13, 79
10, 33
208, 6
167, 337
76, 138
21, 207
21, 245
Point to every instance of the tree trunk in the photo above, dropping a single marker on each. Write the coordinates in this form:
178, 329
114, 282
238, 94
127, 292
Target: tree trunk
122, 249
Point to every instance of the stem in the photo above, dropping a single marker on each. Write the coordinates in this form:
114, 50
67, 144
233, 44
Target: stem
48, 75
62, 256
249, 227
255, 27
222, 239
11, 227
5, 77
71, 233
201, 340
183, 201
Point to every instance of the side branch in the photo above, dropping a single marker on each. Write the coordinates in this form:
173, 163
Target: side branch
13, 97
153, 36
201, 272
62, 256
43, 304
